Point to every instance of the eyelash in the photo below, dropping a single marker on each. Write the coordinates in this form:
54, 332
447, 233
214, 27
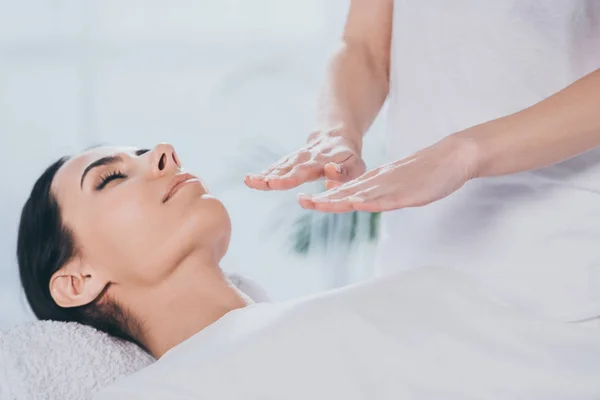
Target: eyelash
107, 178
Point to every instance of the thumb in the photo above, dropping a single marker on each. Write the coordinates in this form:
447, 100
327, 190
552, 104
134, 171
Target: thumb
347, 170
331, 184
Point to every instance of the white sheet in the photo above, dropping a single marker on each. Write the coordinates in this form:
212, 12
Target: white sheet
426, 334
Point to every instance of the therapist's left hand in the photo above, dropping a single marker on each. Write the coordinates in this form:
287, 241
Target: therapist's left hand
427, 176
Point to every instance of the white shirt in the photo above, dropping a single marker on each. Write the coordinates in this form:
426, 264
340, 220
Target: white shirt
532, 238
424, 335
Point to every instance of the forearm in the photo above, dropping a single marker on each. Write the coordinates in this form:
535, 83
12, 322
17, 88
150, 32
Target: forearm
355, 88
558, 128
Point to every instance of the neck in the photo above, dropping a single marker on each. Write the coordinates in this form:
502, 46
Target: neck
196, 295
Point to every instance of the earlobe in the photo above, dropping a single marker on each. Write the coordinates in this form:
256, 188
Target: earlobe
71, 286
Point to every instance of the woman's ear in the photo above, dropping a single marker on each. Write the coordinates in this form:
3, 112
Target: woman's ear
75, 285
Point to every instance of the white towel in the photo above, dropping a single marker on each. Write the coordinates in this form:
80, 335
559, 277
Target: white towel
58, 360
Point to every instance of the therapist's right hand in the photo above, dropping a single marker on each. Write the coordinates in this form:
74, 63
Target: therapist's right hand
330, 155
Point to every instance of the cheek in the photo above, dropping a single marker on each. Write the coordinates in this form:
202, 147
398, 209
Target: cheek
139, 235
140, 242
126, 235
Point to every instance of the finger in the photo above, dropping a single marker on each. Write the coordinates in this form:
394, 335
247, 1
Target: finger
280, 170
363, 182
344, 191
247, 181
388, 201
333, 171
366, 176
333, 206
341, 205
331, 184
368, 200
333, 188
298, 175
369, 194
261, 181
305, 203
256, 181
370, 206
274, 166
380, 204
346, 170
283, 167
336, 206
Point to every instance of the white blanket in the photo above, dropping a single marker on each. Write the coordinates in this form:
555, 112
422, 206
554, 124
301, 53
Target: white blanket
428, 334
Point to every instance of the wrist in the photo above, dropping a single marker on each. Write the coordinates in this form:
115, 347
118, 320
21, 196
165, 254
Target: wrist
352, 137
470, 152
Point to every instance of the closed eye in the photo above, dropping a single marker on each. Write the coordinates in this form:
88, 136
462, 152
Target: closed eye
108, 178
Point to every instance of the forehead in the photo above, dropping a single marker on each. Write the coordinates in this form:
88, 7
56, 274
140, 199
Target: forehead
70, 173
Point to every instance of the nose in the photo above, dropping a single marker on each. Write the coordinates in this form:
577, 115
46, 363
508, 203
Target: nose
164, 159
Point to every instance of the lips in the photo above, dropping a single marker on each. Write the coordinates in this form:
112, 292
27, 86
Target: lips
175, 183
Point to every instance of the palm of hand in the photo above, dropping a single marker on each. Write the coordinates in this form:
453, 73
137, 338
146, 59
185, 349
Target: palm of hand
425, 177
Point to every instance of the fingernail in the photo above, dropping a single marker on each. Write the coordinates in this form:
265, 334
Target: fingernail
256, 176
321, 199
338, 168
304, 196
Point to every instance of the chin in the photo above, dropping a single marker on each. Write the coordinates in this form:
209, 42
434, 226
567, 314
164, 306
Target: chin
209, 224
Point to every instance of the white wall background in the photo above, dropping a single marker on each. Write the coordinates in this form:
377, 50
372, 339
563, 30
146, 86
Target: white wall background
220, 79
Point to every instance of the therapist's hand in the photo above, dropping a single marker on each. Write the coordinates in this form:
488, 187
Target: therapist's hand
428, 175
331, 155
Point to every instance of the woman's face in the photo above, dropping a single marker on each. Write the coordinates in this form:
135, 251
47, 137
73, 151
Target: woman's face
135, 215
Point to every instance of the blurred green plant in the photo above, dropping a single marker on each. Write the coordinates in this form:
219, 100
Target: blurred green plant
313, 227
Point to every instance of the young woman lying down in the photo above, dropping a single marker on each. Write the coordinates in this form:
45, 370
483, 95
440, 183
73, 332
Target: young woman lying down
123, 240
